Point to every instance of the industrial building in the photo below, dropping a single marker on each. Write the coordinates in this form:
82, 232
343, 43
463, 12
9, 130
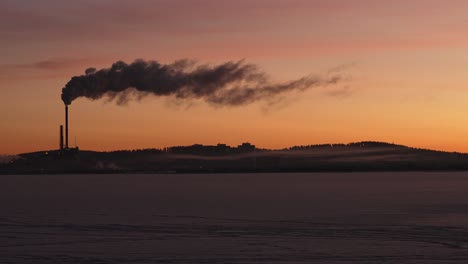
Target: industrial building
65, 152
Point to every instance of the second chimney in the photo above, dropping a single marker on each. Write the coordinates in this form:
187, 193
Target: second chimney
61, 137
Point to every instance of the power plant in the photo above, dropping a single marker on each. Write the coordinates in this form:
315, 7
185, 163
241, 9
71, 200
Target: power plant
65, 151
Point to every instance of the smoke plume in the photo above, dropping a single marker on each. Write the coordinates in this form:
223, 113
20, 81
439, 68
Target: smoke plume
230, 83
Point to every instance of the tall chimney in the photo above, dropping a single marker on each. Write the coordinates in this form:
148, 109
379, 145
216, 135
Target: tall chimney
66, 126
61, 137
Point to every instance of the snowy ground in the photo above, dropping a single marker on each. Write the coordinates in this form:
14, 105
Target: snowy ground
235, 218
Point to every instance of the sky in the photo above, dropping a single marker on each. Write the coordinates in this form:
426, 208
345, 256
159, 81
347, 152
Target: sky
402, 64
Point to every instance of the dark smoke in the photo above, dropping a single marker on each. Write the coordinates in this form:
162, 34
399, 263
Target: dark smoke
230, 83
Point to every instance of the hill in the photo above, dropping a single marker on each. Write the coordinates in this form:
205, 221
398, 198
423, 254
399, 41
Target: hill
359, 156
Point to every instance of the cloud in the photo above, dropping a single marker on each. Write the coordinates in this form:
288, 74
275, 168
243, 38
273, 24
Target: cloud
48, 64
340, 92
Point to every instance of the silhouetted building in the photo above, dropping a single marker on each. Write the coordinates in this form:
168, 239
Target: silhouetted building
246, 147
65, 151
219, 149
198, 149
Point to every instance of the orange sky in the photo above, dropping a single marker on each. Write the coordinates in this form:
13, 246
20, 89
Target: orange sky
405, 65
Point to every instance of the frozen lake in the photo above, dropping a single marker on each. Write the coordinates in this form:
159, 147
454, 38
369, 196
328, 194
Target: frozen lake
411, 217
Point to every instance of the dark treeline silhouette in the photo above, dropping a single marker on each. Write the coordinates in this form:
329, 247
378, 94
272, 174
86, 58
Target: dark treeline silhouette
360, 156
363, 144
369, 145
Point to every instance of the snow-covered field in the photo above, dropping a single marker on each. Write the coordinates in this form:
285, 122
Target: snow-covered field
235, 218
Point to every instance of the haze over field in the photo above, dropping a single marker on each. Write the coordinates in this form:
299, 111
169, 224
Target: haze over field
402, 68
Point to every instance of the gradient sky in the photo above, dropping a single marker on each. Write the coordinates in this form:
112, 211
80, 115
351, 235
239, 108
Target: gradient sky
405, 63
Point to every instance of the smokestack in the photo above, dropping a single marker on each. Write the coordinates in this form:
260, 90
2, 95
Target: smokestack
61, 137
66, 126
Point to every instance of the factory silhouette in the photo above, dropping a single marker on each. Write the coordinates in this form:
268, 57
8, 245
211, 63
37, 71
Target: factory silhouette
65, 151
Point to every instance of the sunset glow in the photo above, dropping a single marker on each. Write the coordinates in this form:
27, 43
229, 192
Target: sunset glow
403, 65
